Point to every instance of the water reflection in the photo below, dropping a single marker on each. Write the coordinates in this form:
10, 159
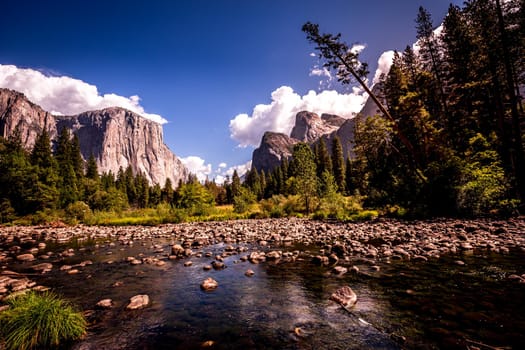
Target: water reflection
285, 305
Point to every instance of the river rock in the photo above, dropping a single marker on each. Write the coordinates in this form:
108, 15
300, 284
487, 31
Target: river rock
209, 284
320, 260
218, 265
333, 259
339, 270
274, 255
344, 296
105, 304
25, 257
177, 250
138, 302
44, 267
249, 273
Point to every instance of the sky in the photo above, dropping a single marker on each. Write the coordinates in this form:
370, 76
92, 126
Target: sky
216, 74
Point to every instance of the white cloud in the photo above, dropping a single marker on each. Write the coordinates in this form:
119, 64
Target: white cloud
241, 170
357, 48
279, 114
197, 166
383, 64
65, 95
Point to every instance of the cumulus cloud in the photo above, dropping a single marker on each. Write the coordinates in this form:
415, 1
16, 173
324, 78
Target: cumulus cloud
65, 95
197, 166
242, 169
279, 114
357, 48
383, 64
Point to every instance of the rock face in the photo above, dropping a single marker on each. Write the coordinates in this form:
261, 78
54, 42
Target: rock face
115, 136
309, 127
273, 149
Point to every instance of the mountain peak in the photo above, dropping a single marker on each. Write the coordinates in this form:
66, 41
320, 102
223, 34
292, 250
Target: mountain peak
115, 136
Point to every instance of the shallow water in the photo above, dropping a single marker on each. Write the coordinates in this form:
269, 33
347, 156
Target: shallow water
285, 305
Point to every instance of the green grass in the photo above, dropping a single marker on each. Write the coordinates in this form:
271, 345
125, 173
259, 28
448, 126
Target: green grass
39, 321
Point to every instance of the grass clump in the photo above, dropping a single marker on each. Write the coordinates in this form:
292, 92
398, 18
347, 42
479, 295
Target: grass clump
39, 320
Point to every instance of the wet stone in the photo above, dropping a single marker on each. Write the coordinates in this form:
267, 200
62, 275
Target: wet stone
344, 296
138, 302
105, 304
209, 284
339, 270
25, 257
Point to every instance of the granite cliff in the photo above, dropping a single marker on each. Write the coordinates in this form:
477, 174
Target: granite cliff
115, 136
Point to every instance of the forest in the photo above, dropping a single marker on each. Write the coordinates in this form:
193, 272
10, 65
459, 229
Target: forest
448, 141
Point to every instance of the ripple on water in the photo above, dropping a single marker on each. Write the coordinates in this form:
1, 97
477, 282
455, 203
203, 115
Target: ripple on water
286, 305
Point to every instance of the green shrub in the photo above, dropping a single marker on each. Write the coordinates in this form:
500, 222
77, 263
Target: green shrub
78, 211
39, 321
365, 215
7, 213
242, 201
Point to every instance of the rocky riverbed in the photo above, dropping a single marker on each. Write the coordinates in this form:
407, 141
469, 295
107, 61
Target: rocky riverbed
44, 257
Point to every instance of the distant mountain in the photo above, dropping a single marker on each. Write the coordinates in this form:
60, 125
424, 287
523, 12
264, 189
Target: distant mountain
309, 128
115, 136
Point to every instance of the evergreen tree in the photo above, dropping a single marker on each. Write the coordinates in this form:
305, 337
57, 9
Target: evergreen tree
263, 184
92, 168
130, 186
253, 182
155, 194
236, 184
350, 183
322, 158
107, 180
167, 191
42, 155
431, 57
68, 187
304, 171
338, 164
45, 169
76, 158
142, 190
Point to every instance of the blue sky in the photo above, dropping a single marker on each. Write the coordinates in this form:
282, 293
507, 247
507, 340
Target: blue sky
200, 64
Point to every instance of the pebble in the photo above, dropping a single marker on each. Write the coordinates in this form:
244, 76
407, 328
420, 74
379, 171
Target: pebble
209, 284
138, 302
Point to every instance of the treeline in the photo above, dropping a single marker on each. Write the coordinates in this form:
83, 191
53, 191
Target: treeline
451, 140
48, 179
312, 172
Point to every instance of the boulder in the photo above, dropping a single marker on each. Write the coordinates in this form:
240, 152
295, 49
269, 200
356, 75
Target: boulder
105, 304
344, 296
177, 250
25, 257
340, 270
273, 255
138, 302
209, 284
44, 267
